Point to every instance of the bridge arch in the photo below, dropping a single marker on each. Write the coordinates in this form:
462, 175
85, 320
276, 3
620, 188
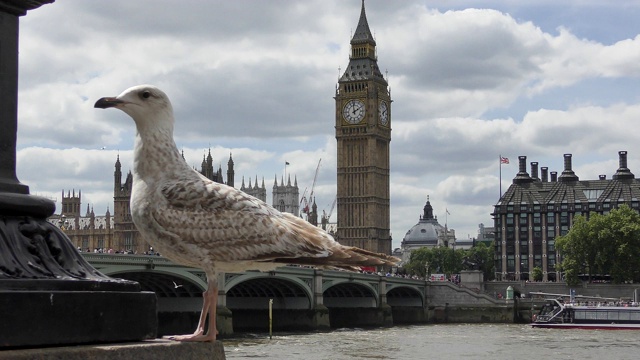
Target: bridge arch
348, 294
253, 290
175, 292
404, 296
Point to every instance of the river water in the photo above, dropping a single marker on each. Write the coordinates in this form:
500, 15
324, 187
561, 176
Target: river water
450, 341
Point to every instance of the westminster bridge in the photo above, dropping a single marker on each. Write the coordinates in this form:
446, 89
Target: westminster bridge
312, 299
303, 298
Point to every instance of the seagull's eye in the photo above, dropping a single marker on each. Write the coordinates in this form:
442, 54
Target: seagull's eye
145, 94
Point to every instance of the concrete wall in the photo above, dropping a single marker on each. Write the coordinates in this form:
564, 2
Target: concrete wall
473, 314
450, 303
283, 320
410, 315
604, 290
443, 293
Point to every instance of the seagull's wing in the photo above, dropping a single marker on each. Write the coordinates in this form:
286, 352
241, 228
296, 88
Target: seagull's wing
234, 226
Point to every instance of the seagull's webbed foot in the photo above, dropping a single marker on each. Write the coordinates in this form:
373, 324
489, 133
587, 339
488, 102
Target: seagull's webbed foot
210, 302
193, 337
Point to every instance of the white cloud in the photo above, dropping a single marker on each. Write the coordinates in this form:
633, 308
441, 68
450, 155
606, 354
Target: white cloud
247, 78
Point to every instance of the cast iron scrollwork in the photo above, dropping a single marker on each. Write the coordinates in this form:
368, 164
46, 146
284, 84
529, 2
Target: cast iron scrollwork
32, 248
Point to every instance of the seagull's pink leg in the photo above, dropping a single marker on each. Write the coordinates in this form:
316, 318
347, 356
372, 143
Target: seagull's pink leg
203, 313
210, 302
212, 332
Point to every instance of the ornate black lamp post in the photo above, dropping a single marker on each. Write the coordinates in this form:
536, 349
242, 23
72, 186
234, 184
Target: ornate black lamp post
426, 270
49, 295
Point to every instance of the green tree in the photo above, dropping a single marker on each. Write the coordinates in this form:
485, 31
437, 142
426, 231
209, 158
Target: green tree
537, 273
579, 248
418, 262
620, 250
483, 254
448, 261
605, 244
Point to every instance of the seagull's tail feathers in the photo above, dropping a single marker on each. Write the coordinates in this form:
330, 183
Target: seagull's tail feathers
345, 257
315, 247
370, 258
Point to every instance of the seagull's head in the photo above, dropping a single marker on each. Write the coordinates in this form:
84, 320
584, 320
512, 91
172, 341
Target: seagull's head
144, 103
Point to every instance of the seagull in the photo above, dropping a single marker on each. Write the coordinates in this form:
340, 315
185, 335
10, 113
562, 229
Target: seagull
175, 286
197, 222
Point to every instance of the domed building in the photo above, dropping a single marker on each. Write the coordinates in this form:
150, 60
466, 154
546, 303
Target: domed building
426, 233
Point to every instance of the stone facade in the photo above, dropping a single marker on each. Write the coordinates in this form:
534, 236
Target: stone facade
286, 197
363, 133
258, 192
85, 232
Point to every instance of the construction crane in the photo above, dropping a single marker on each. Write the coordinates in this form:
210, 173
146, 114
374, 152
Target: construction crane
327, 216
304, 202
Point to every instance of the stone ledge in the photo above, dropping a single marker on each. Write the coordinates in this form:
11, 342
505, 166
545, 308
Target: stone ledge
145, 350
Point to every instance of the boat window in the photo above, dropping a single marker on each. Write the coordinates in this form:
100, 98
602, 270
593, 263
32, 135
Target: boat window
548, 309
613, 315
590, 315
624, 315
602, 315
634, 316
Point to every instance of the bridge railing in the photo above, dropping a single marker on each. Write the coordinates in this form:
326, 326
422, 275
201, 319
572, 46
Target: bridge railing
131, 259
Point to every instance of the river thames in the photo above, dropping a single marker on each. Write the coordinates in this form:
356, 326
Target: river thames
450, 341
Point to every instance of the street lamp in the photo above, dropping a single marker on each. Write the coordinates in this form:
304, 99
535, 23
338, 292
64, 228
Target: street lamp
426, 270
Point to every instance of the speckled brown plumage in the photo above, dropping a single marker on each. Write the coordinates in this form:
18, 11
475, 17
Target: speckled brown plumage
197, 222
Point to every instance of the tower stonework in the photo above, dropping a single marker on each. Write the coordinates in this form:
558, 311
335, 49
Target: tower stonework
363, 134
230, 172
286, 196
125, 234
71, 204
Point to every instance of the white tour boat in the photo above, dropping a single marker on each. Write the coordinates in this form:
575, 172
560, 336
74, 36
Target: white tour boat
584, 312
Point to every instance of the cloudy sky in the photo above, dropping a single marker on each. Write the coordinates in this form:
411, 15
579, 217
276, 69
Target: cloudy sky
470, 80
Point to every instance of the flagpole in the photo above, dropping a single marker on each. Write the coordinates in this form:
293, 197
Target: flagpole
285, 170
500, 162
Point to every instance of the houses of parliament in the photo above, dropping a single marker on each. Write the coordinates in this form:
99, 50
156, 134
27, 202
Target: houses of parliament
117, 233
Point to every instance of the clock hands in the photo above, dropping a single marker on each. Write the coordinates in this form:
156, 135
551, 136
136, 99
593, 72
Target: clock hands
354, 111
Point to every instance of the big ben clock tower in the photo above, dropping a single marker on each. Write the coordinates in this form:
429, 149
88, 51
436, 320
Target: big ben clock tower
363, 133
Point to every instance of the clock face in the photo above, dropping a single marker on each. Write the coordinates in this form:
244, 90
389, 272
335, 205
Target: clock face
353, 111
383, 113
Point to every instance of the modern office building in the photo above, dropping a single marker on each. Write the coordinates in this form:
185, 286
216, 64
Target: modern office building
534, 211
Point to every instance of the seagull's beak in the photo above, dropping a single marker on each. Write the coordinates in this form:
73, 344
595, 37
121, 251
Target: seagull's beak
107, 102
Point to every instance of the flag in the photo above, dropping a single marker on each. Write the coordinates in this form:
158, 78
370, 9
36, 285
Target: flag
504, 160
287, 163
447, 210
